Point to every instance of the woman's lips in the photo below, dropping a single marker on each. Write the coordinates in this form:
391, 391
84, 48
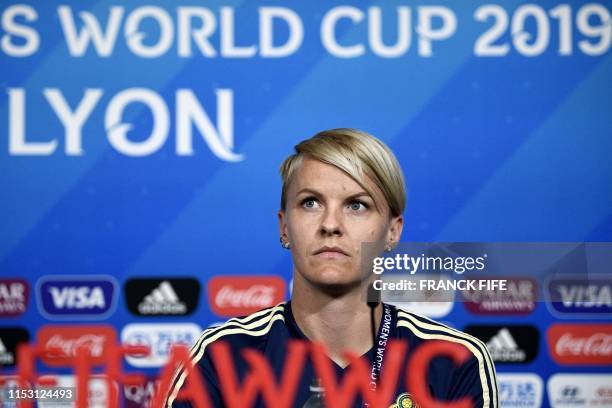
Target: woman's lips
331, 255
331, 252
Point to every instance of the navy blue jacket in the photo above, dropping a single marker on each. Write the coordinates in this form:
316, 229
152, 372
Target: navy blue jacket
268, 331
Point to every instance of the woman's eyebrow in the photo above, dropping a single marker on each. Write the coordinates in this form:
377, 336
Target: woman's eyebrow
360, 194
354, 195
308, 190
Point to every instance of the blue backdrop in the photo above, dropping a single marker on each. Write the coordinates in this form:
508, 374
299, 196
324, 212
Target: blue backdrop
144, 139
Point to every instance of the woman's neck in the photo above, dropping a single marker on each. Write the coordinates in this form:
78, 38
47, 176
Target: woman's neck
342, 323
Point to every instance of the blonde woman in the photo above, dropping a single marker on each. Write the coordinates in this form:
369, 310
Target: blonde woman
341, 188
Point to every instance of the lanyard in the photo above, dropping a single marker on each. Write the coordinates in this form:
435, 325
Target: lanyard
380, 346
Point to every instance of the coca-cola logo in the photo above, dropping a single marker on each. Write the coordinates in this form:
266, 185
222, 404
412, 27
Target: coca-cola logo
256, 296
581, 343
596, 345
68, 346
62, 342
242, 295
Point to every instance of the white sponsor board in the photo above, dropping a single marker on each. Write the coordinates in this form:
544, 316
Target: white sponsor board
580, 390
523, 390
429, 309
159, 338
436, 305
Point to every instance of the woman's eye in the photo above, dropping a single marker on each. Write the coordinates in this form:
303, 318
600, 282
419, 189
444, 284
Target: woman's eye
309, 203
358, 206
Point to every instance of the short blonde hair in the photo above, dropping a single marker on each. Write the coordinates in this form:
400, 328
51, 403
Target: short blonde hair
357, 153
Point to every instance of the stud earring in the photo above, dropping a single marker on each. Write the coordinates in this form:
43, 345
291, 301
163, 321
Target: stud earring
285, 244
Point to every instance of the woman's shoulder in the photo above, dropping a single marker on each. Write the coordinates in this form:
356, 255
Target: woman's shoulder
245, 328
477, 373
250, 331
424, 328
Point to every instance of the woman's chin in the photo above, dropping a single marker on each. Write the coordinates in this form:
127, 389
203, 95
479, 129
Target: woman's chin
335, 280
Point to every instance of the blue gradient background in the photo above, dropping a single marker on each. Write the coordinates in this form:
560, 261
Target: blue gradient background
494, 149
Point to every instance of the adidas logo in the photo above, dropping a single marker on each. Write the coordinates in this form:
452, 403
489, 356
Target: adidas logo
6, 358
503, 347
162, 300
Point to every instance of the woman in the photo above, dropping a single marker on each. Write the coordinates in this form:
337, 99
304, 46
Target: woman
341, 188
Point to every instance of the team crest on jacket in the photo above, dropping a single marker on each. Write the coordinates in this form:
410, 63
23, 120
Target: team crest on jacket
404, 400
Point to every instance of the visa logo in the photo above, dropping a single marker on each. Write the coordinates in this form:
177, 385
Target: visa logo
82, 297
580, 297
585, 296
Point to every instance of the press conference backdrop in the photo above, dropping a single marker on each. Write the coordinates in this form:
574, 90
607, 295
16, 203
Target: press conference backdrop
140, 146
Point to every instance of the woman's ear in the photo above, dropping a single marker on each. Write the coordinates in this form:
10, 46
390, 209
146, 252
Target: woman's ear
282, 223
396, 225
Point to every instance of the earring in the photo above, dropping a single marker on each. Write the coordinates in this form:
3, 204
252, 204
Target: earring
389, 248
285, 244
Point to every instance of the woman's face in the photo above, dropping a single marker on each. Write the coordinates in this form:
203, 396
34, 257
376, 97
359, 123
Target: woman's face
328, 216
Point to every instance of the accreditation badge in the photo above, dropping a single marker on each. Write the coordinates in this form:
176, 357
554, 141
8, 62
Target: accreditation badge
405, 400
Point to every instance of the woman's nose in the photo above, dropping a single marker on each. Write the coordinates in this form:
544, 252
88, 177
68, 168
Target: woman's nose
331, 223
